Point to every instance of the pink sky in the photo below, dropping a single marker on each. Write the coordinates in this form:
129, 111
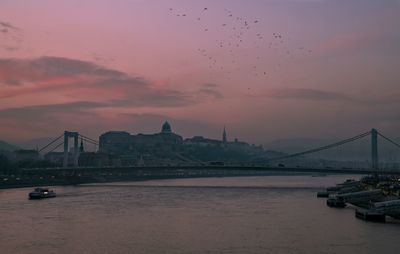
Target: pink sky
265, 69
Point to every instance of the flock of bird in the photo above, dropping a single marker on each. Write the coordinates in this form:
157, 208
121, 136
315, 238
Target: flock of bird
238, 36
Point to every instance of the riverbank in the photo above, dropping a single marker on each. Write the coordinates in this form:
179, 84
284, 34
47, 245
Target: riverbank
32, 180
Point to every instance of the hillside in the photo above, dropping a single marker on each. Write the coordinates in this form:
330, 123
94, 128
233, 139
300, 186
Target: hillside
4, 146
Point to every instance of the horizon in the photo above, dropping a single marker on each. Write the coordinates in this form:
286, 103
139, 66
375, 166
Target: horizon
268, 70
285, 145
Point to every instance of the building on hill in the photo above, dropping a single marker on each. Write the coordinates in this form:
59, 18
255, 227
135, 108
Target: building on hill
201, 141
168, 148
132, 147
115, 142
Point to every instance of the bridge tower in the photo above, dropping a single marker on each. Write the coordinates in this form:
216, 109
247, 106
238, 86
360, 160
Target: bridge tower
67, 135
374, 149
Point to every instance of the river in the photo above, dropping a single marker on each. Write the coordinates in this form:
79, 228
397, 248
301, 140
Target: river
268, 214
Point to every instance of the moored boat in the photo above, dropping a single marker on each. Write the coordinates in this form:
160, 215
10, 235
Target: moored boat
335, 201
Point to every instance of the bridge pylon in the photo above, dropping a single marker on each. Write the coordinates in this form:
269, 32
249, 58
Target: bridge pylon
67, 135
374, 149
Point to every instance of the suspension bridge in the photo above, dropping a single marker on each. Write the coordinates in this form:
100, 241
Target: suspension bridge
63, 140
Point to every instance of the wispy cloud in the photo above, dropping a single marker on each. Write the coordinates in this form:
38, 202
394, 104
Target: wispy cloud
44, 120
211, 92
210, 85
89, 93
305, 94
5, 26
35, 112
210, 89
309, 94
84, 80
25, 122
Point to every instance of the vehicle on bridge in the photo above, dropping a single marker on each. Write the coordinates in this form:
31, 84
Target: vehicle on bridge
216, 163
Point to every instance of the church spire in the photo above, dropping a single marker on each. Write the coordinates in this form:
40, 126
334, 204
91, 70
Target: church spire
224, 139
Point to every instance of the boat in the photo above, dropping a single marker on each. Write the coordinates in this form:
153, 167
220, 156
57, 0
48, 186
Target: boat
390, 208
40, 193
323, 194
335, 201
362, 198
370, 215
378, 211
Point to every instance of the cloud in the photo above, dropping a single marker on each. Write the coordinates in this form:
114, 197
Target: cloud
379, 30
46, 69
210, 85
10, 48
378, 98
169, 98
78, 95
211, 92
305, 94
210, 89
45, 120
87, 81
52, 119
36, 112
344, 42
6, 26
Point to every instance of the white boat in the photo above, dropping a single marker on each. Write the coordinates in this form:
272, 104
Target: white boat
40, 193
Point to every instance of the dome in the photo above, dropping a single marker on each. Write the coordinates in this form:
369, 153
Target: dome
166, 128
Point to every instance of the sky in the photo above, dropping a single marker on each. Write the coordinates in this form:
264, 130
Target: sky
267, 70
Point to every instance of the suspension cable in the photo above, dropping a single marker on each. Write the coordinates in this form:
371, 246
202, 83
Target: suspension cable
323, 147
49, 144
390, 140
56, 147
88, 139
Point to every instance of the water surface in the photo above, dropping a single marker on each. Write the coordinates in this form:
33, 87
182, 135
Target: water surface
270, 214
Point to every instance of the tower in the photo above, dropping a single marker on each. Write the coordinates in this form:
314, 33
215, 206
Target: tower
81, 148
224, 139
67, 135
374, 149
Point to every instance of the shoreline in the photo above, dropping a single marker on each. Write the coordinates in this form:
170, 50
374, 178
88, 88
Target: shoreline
70, 181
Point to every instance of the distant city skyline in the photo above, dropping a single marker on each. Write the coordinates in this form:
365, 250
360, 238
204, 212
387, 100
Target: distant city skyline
264, 69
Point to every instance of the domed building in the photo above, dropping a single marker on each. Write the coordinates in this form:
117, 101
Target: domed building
133, 146
168, 137
166, 128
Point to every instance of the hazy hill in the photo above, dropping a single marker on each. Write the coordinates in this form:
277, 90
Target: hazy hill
7, 146
36, 143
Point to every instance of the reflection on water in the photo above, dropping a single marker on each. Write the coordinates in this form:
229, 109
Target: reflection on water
273, 214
